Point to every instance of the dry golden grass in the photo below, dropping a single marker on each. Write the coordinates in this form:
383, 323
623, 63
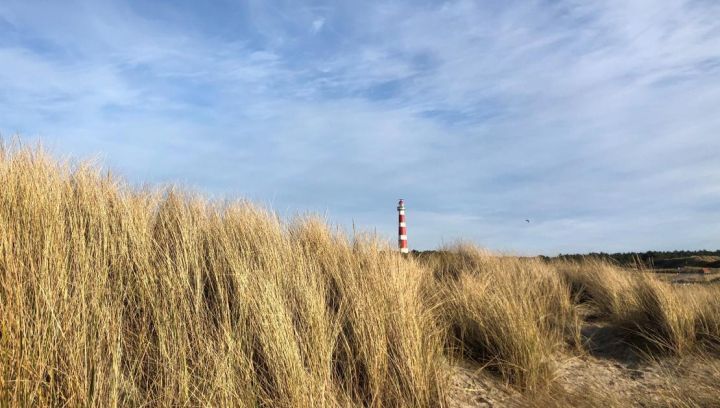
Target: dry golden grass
514, 315
110, 296
664, 317
113, 296
518, 315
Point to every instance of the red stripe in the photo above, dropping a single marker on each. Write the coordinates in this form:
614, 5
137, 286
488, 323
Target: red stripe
402, 218
403, 230
403, 244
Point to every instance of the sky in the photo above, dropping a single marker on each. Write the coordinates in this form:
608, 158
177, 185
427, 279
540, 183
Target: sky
598, 121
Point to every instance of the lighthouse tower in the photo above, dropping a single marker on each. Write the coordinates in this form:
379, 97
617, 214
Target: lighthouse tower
402, 228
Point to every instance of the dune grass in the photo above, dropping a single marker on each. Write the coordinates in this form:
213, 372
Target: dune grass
513, 315
517, 315
663, 317
112, 296
118, 296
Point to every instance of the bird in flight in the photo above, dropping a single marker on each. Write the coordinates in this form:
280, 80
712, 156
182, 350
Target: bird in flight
528, 221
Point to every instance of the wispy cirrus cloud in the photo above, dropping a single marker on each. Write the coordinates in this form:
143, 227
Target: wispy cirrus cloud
595, 120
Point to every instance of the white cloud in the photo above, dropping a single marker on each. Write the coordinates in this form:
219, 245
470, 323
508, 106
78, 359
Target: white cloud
595, 119
318, 24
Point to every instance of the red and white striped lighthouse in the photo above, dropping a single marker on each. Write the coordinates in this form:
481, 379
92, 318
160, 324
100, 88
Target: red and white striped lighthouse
402, 228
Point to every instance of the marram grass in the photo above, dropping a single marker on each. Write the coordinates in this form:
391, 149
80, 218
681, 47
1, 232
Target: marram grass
117, 296
111, 296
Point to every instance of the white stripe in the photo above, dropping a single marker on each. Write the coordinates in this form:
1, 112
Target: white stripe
402, 212
402, 224
403, 237
404, 250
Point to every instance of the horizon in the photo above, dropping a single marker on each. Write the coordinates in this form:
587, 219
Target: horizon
596, 122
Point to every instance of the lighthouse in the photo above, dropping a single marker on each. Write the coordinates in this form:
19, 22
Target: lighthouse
402, 228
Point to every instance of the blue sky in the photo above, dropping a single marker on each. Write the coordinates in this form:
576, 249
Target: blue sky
598, 121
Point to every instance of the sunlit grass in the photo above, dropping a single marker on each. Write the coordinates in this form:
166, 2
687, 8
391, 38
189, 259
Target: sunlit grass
115, 296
